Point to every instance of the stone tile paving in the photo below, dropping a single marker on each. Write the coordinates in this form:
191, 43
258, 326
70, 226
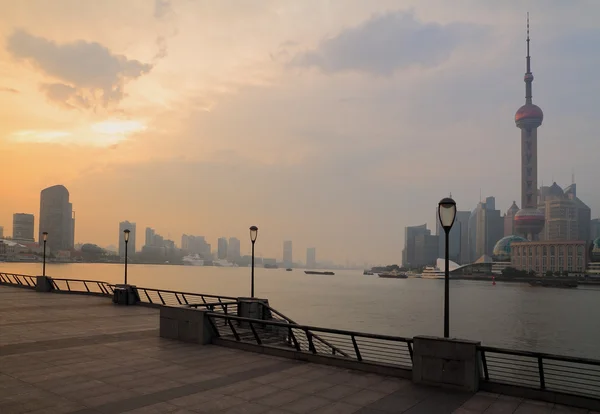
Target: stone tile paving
81, 354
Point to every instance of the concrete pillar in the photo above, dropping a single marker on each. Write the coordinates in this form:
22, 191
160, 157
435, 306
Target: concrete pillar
125, 295
186, 324
450, 363
43, 284
253, 308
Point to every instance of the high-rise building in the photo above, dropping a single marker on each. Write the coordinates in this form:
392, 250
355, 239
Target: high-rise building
131, 249
426, 249
56, 218
594, 229
458, 238
1, 232
150, 233
509, 219
222, 248
529, 221
486, 227
196, 245
233, 249
409, 258
311, 258
23, 227
287, 253
567, 217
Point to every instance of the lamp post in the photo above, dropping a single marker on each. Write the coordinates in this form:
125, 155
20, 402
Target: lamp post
446, 215
253, 235
126, 237
45, 236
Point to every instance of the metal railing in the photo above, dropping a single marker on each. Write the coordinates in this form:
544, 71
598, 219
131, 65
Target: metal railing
226, 308
546, 372
82, 286
357, 346
174, 298
18, 280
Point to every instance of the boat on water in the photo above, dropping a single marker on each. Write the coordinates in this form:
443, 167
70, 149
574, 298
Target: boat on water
368, 272
193, 260
394, 274
431, 272
315, 272
223, 263
289, 269
555, 283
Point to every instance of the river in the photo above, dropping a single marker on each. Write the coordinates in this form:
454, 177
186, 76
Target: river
511, 315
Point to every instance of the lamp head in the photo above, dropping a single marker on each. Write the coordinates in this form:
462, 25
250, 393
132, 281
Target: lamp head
126, 235
447, 213
253, 233
45, 235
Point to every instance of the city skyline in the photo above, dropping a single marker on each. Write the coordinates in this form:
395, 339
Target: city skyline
323, 137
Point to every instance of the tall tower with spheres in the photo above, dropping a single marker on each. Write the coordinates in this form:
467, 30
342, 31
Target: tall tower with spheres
529, 221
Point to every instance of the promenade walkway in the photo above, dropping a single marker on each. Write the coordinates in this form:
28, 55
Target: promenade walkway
62, 353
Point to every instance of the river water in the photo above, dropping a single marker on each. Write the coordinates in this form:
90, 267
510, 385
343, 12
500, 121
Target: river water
511, 315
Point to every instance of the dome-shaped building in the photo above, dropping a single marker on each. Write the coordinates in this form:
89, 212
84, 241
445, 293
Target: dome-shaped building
501, 251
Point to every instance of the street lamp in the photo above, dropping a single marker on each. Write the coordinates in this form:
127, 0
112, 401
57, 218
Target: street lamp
253, 236
126, 237
45, 236
447, 215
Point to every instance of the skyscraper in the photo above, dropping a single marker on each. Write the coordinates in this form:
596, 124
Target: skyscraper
459, 238
126, 225
56, 218
222, 248
23, 227
150, 233
595, 229
529, 221
1, 232
233, 249
287, 253
409, 257
311, 258
486, 227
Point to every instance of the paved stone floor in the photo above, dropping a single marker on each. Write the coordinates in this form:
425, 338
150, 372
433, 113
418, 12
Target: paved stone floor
81, 354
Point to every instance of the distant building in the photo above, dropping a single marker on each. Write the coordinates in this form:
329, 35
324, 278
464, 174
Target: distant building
426, 249
311, 258
287, 253
594, 229
509, 219
23, 227
233, 249
222, 248
409, 258
131, 247
1, 232
553, 256
459, 238
567, 217
56, 218
486, 227
150, 233
196, 245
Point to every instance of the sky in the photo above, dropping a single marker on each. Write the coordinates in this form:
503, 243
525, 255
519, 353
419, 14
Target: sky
331, 123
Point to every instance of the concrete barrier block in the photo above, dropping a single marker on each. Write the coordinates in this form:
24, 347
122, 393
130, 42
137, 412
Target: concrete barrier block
185, 324
43, 284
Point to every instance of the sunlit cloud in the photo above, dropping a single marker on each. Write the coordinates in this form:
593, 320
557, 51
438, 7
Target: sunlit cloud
40, 136
116, 127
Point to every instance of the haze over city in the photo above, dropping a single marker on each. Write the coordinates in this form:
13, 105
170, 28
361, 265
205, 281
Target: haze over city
333, 124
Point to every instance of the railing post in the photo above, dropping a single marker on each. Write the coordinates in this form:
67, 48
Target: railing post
541, 371
486, 374
356, 350
258, 341
410, 350
311, 345
296, 344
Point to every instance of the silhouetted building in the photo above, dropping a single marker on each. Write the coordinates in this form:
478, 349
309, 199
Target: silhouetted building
23, 227
233, 250
56, 218
459, 238
409, 258
311, 258
529, 221
426, 249
287, 253
509, 219
1, 232
222, 248
196, 245
131, 247
486, 227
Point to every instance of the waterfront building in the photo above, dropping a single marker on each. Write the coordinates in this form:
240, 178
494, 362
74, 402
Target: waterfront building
311, 258
57, 218
554, 256
409, 255
529, 221
594, 228
222, 248
195, 245
566, 216
287, 253
233, 249
131, 247
486, 227
509, 219
23, 227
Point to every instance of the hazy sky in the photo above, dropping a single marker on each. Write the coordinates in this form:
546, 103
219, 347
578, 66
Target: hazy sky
331, 123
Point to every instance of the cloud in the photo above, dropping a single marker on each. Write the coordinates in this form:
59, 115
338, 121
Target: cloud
90, 74
161, 8
9, 90
386, 43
